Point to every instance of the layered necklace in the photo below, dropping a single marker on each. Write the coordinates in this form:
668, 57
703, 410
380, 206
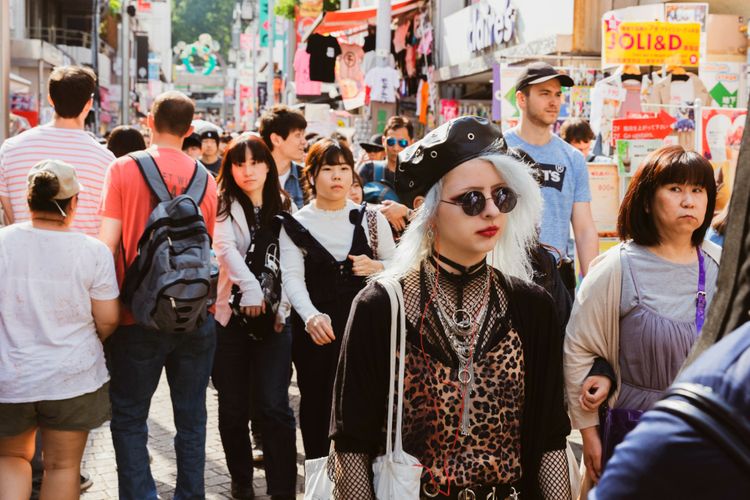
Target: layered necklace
462, 323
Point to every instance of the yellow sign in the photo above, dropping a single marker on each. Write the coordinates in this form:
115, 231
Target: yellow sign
650, 43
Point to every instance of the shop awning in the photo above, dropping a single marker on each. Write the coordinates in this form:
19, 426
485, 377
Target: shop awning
351, 20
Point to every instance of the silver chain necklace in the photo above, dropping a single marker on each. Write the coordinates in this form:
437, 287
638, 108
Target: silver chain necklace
462, 332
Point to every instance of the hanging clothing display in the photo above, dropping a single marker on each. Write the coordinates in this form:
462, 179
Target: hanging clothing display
383, 82
684, 90
349, 76
302, 82
323, 51
423, 101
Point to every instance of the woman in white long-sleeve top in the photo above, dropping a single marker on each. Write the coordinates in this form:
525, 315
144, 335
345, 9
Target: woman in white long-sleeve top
253, 346
328, 248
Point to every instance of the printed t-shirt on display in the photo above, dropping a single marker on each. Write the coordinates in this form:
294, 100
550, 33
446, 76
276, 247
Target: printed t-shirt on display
323, 51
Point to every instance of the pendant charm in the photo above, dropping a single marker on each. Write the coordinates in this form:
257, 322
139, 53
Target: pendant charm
466, 379
462, 320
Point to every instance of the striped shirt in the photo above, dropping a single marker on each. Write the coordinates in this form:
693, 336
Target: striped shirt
18, 154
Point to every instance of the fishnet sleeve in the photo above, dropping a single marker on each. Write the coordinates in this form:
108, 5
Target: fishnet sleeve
351, 474
554, 480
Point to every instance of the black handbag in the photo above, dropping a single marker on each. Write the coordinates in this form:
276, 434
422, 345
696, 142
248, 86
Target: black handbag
262, 258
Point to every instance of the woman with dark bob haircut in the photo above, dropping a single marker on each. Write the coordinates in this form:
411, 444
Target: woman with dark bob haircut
642, 305
328, 248
253, 346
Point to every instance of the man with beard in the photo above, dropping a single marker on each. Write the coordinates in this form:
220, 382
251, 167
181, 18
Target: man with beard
565, 183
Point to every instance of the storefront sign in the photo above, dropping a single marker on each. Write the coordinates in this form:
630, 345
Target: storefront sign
724, 81
656, 127
605, 199
631, 153
650, 43
490, 24
497, 94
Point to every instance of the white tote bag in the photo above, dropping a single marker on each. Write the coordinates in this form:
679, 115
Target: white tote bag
396, 474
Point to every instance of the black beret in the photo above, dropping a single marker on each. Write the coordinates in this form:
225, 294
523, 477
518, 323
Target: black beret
425, 162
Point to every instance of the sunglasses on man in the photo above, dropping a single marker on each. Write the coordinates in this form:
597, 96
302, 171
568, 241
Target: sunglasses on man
473, 202
392, 141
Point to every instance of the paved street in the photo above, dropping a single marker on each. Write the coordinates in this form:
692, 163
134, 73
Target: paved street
99, 459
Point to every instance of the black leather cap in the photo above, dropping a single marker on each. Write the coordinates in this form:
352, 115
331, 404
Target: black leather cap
425, 162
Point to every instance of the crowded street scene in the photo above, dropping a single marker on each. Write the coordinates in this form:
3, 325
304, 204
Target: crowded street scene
374, 249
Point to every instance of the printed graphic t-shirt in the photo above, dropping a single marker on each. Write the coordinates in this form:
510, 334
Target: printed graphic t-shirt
383, 83
566, 181
323, 51
127, 198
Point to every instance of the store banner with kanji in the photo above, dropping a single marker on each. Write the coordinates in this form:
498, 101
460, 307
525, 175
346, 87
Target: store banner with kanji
651, 127
650, 43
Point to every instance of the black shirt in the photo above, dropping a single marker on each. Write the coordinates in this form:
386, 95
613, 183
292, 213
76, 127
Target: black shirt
213, 167
323, 51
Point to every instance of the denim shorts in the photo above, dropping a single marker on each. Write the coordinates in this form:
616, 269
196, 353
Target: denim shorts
81, 413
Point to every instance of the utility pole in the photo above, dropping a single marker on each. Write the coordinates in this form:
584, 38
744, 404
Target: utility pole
125, 57
4, 69
271, 43
95, 22
383, 33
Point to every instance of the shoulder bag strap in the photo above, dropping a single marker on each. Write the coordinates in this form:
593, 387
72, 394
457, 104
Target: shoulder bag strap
398, 322
151, 175
372, 228
196, 188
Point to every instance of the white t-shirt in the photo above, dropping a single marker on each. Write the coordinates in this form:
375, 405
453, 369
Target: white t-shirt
383, 82
49, 349
284, 177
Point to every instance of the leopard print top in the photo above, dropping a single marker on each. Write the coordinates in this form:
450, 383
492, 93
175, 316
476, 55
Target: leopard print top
491, 452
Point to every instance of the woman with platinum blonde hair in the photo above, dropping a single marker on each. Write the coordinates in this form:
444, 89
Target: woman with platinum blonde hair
483, 406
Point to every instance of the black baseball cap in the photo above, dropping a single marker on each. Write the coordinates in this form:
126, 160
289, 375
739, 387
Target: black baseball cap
374, 145
539, 72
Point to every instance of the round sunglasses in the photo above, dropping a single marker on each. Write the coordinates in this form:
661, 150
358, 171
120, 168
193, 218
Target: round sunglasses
473, 202
391, 141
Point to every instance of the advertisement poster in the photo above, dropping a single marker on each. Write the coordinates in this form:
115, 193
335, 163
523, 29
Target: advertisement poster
307, 11
722, 135
657, 126
577, 99
448, 109
605, 197
724, 81
631, 153
650, 43
509, 109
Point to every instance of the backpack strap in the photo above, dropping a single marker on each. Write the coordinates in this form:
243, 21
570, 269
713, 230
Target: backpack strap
378, 172
151, 175
198, 183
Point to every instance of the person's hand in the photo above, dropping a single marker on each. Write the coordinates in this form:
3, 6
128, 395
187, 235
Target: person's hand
592, 452
362, 265
395, 213
280, 323
594, 392
320, 330
254, 311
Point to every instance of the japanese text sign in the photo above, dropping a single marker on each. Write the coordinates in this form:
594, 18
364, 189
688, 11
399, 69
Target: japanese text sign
650, 43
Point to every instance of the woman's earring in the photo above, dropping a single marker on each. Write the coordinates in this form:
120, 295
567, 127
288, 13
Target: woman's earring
431, 232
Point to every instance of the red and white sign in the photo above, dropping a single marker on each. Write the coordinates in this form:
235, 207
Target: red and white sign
654, 127
144, 6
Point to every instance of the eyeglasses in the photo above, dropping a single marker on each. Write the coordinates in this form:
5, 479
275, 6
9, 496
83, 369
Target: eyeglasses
392, 141
473, 202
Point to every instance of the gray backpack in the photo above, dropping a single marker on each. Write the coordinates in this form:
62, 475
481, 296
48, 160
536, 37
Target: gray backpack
167, 286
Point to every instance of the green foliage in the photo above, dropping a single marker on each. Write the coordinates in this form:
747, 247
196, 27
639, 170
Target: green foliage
285, 8
190, 18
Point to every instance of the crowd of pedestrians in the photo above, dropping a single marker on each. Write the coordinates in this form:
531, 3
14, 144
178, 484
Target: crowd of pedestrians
244, 259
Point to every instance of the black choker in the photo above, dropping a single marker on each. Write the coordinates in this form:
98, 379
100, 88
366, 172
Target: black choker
464, 270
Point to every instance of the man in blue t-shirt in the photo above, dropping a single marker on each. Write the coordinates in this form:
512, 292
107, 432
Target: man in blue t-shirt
565, 184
